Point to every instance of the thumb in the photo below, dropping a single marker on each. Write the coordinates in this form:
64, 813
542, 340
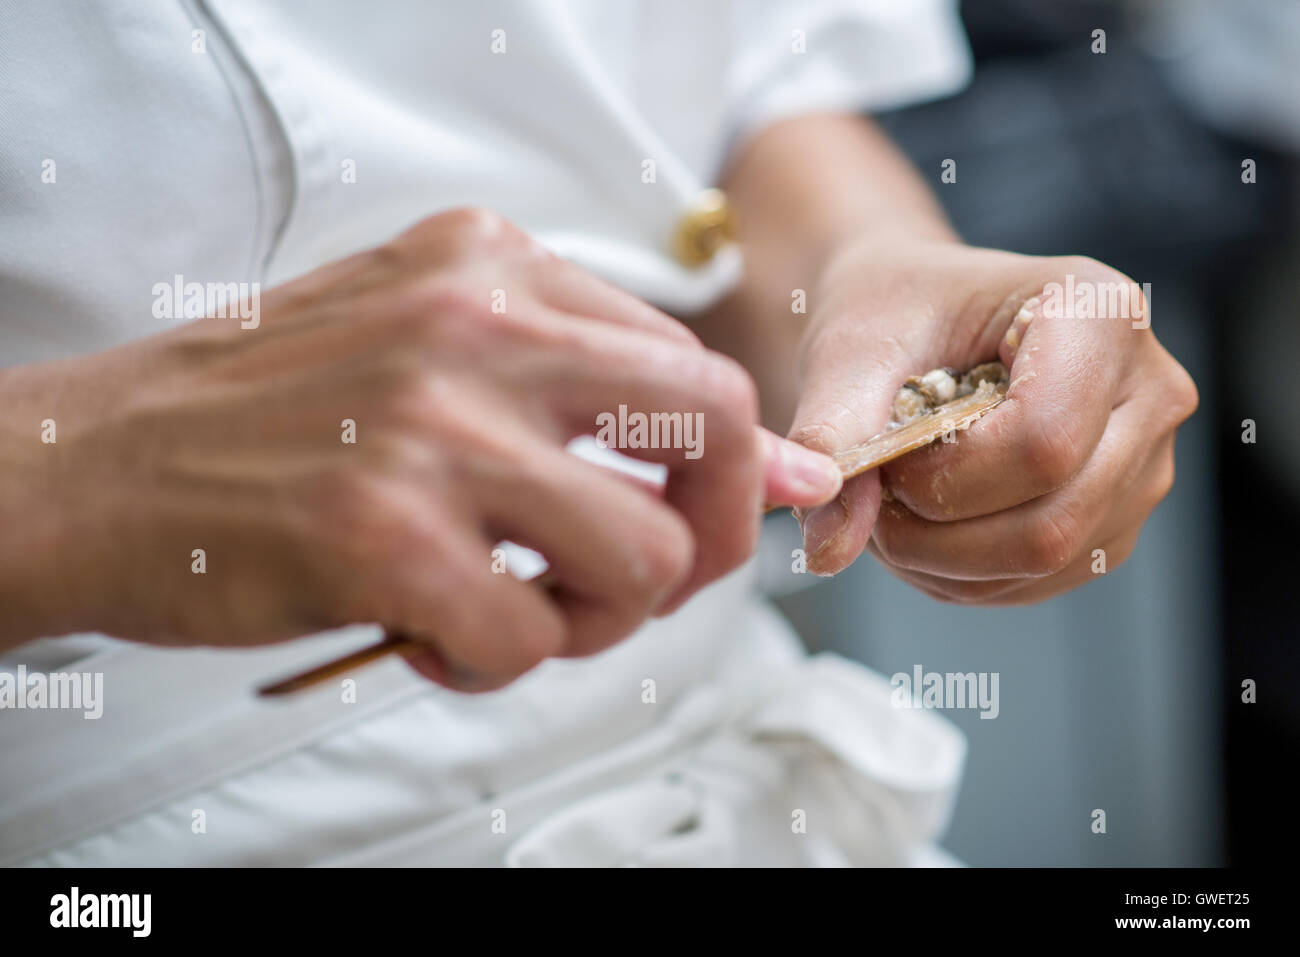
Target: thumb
794, 475
837, 412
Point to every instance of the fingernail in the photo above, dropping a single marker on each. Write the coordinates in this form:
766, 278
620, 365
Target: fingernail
814, 472
822, 525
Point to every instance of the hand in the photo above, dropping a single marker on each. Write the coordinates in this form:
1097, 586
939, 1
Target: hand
1011, 512
231, 440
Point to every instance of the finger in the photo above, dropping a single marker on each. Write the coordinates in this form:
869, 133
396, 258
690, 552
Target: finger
615, 553
571, 289
1065, 378
430, 663
834, 534
795, 475
1018, 591
482, 623
837, 412
1037, 538
693, 411
507, 258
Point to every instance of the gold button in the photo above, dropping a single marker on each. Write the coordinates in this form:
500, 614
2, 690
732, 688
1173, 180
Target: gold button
705, 228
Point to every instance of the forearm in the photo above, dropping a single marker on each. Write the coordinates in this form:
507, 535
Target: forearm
802, 189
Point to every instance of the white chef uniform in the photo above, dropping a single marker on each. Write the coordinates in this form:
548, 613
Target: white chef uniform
240, 141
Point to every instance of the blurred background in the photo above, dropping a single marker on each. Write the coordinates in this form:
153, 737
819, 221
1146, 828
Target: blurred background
1126, 695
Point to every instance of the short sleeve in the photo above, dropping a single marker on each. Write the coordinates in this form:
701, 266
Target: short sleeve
840, 55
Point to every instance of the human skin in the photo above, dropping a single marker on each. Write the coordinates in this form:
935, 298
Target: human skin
216, 437
228, 439
1014, 509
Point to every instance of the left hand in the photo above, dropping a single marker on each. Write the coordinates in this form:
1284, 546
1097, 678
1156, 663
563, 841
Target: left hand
1011, 512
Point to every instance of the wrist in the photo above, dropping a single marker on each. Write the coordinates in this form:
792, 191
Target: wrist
859, 257
32, 516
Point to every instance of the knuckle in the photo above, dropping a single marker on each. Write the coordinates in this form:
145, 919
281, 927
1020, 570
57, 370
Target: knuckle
725, 385
535, 640
456, 233
1184, 398
1053, 540
819, 436
1163, 482
668, 552
473, 225
1051, 454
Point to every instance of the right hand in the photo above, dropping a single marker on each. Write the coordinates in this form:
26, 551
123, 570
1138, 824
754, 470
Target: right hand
230, 440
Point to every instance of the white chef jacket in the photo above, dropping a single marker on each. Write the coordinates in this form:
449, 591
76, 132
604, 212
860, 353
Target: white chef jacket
241, 141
